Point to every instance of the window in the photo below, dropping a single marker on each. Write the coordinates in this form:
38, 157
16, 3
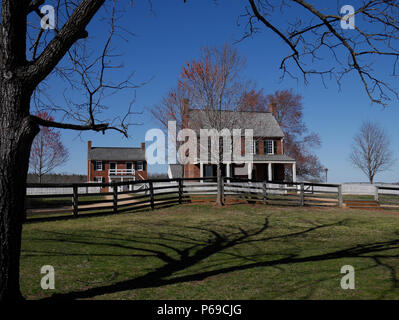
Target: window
140, 166
98, 166
129, 167
112, 167
208, 170
268, 147
99, 179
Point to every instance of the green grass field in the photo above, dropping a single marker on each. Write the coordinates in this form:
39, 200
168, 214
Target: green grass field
203, 252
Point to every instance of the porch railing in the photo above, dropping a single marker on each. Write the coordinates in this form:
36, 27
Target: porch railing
120, 172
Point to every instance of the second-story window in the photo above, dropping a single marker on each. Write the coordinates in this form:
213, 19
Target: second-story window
139, 166
98, 166
268, 147
129, 167
112, 167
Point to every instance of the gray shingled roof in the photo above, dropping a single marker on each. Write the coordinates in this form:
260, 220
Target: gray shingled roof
109, 153
263, 123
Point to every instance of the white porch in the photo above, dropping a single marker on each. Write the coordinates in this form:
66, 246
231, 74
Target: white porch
267, 170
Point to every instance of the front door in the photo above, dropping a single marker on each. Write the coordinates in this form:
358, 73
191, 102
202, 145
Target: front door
208, 170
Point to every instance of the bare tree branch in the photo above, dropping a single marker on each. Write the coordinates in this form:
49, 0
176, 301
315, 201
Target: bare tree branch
316, 39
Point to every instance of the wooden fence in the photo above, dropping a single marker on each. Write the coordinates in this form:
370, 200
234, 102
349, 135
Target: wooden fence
144, 194
286, 193
387, 197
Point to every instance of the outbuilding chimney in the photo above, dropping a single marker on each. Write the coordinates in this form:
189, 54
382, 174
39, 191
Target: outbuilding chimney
143, 146
89, 145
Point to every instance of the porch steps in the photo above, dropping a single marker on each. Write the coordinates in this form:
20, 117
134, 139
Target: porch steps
362, 204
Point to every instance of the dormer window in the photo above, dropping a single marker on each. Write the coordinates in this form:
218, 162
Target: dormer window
268, 147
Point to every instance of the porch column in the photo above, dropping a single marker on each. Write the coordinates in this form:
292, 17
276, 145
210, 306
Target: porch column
249, 170
294, 172
228, 171
269, 172
201, 171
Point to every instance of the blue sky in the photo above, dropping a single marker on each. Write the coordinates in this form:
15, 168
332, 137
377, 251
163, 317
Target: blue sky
175, 32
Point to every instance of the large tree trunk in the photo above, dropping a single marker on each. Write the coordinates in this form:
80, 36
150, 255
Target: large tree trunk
17, 133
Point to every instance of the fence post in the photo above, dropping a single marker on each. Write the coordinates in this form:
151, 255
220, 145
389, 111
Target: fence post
75, 201
376, 195
180, 191
302, 195
264, 192
150, 184
115, 191
340, 199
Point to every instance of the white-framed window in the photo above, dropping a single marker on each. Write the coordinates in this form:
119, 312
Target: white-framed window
268, 147
139, 165
98, 166
99, 179
112, 167
129, 166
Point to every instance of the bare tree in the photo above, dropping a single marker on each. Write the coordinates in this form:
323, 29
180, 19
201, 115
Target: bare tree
371, 151
47, 152
29, 56
215, 88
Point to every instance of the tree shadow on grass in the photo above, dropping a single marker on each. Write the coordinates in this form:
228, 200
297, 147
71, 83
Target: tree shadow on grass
197, 250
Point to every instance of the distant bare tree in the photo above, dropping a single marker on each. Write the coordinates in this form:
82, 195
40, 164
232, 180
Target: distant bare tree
371, 151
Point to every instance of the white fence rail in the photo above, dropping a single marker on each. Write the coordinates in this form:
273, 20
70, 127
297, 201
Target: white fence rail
61, 191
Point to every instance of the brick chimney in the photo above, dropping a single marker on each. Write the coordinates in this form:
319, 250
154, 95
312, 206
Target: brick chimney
89, 145
143, 146
184, 113
272, 108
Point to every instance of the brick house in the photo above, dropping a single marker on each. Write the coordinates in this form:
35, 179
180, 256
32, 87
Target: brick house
269, 161
114, 164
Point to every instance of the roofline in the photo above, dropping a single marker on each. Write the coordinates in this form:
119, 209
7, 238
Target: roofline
194, 109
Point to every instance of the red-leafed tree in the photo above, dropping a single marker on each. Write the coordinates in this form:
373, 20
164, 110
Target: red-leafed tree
298, 142
47, 150
211, 84
214, 85
253, 100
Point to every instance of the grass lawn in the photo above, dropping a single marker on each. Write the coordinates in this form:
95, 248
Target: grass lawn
201, 252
